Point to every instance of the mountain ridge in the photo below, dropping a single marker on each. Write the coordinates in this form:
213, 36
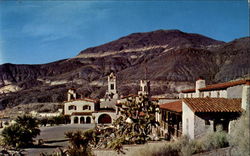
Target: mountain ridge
173, 59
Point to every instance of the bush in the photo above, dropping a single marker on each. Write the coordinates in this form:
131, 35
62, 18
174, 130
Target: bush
21, 133
80, 142
239, 137
56, 120
184, 146
215, 140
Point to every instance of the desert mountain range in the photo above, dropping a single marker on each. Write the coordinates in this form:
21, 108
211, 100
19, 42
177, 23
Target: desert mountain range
171, 59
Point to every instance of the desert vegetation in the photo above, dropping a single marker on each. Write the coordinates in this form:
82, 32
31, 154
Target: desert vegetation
239, 138
21, 133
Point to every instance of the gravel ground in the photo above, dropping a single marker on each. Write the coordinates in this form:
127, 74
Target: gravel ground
54, 137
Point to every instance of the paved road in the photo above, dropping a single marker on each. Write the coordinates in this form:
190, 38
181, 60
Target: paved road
54, 137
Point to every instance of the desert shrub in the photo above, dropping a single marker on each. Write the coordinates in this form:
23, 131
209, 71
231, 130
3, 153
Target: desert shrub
156, 149
184, 146
80, 142
239, 138
43, 121
215, 140
56, 120
21, 133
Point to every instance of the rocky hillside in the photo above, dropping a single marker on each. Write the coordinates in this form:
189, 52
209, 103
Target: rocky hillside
171, 59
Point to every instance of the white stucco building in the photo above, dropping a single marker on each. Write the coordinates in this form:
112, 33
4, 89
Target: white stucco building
205, 107
232, 89
89, 111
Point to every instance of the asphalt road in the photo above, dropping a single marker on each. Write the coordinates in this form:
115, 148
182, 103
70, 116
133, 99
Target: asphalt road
54, 137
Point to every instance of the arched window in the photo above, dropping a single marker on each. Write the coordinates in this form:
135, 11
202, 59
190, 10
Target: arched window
88, 120
82, 121
72, 107
75, 120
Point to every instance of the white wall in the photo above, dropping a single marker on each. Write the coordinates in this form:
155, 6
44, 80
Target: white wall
79, 106
187, 121
235, 91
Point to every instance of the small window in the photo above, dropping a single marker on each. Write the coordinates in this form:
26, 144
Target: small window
218, 94
72, 107
86, 107
112, 86
207, 122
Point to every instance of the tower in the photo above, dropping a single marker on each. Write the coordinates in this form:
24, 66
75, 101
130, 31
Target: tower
112, 92
71, 94
144, 87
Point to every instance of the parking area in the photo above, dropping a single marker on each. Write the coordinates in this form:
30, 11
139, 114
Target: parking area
54, 138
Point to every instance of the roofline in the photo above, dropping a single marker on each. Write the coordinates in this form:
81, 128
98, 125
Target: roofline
215, 87
184, 100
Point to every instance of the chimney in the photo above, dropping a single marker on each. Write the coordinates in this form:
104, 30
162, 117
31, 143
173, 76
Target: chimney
200, 83
245, 102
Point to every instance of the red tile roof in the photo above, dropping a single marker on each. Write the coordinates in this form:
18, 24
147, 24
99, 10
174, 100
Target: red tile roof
223, 85
219, 86
173, 106
213, 104
84, 99
82, 113
188, 91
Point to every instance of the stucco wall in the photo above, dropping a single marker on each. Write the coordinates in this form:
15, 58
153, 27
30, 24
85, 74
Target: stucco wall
111, 114
187, 121
200, 128
79, 106
235, 91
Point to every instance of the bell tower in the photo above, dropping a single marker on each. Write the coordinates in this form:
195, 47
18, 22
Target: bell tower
112, 90
144, 87
71, 94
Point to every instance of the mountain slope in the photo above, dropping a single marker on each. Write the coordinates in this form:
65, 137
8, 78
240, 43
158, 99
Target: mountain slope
171, 59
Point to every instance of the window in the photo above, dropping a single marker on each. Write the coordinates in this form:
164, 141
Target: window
218, 94
86, 107
72, 107
112, 86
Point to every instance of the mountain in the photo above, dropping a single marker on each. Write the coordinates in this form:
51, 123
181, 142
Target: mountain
171, 59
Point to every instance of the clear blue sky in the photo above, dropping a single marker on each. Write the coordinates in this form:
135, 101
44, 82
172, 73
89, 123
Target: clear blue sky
35, 32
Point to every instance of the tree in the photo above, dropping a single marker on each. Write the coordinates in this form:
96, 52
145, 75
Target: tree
21, 133
136, 123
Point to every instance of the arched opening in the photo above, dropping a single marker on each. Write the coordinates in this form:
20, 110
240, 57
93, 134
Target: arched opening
82, 121
75, 120
88, 120
104, 119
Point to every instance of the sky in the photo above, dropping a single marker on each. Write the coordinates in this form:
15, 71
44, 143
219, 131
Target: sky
37, 32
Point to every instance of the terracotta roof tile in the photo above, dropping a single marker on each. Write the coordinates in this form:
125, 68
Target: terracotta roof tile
223, 85
218, 86
173, 106
188, 91
214, 104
